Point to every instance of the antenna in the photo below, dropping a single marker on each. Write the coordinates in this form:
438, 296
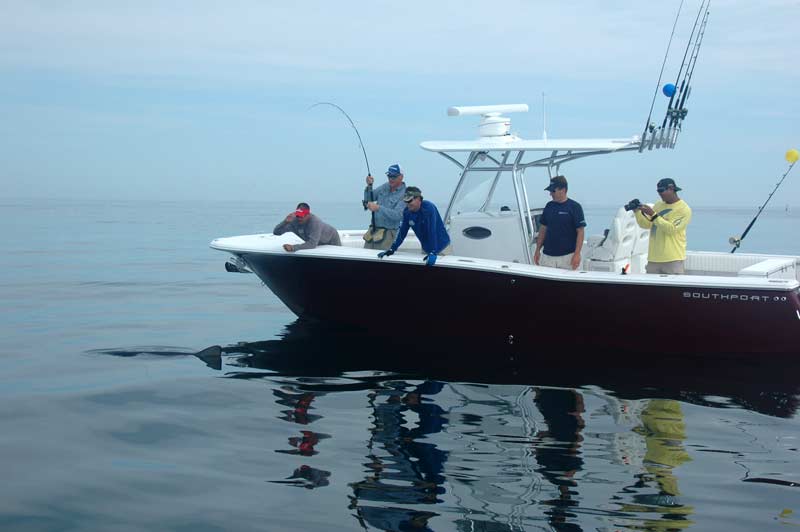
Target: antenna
544, 118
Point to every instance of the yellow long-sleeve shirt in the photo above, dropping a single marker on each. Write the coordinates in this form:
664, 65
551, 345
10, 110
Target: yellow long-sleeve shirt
667, 231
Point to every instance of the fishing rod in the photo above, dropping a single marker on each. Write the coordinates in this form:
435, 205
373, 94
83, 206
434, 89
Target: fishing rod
677, 113
660, 75
791, 156
685, 64
360, 143
680, 112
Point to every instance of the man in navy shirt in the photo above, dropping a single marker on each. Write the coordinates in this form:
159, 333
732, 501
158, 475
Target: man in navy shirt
561, 231
424, 218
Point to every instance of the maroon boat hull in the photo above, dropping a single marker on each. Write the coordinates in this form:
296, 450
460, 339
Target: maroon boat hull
534, 315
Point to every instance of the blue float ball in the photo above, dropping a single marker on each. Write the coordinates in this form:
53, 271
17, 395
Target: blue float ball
669, 90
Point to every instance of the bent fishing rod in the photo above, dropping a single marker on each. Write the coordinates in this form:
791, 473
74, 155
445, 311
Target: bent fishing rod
791, 156
360, 143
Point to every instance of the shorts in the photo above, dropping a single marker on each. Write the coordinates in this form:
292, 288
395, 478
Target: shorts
563, 262
673, 267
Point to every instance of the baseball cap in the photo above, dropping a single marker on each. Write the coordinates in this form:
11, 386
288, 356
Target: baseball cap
666, 182
394, 171
558, 181
411, 193
302, 213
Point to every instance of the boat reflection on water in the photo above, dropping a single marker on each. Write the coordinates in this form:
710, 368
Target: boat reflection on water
557, 448
662, 430
768, 385
299, 404
503, 445
489, 441
402, 468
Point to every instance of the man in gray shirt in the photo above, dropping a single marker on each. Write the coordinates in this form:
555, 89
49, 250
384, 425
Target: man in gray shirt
386, 204
309, 227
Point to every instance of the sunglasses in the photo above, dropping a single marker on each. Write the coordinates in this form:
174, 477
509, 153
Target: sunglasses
661, 189
393, 176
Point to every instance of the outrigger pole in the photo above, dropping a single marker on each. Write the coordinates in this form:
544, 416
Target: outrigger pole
791, 156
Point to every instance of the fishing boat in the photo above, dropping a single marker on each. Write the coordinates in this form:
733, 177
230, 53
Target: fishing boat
490, 292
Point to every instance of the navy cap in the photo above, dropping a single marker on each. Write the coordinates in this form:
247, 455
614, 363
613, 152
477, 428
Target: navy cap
667, 182
411, 193
394, 171
558, 181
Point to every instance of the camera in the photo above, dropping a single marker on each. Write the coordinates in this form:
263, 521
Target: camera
632, 205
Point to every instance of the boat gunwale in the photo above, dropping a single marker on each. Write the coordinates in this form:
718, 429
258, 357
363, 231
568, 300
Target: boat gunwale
689, 281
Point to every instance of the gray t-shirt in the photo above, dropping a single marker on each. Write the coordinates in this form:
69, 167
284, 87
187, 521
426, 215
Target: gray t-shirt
314, 232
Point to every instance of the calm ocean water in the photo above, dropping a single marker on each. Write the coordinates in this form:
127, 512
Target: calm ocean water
110, 422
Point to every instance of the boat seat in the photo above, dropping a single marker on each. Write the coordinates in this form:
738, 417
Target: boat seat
719, 263
640, 248
775, 267
612, 251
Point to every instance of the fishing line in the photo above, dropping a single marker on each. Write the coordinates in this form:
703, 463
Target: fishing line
791, 156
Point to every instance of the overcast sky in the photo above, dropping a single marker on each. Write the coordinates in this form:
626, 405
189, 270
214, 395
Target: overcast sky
209, 100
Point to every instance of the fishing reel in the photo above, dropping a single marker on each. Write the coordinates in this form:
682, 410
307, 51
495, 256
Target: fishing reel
364, 202
735, 241
677, 114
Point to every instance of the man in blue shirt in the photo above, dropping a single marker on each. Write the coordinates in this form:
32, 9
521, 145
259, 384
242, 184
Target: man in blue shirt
561, 231
423, 217
386, 204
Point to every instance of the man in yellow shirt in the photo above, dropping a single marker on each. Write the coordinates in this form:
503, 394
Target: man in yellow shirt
667, 221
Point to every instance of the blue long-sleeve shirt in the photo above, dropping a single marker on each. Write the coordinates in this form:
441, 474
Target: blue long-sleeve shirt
390, 213
427, 225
